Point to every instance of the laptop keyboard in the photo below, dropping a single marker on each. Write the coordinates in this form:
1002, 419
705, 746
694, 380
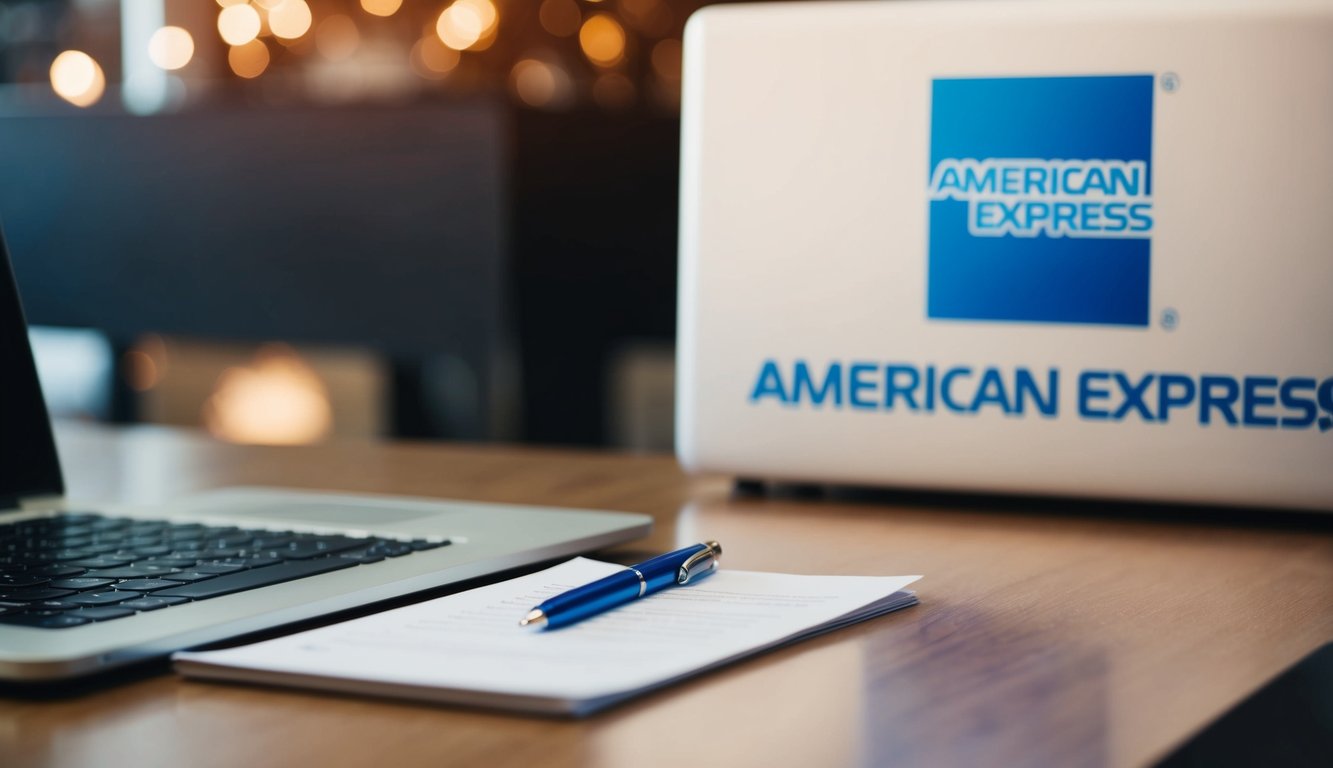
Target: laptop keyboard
75, 569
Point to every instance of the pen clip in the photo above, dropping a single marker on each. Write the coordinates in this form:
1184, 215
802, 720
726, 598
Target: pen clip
700, 563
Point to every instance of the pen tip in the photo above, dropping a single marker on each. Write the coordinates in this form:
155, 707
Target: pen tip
534, 620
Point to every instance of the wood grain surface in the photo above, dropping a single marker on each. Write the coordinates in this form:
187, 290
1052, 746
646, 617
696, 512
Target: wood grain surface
1049, 632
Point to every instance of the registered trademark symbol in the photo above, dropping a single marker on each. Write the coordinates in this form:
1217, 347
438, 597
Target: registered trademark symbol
1170, 82
1170, 319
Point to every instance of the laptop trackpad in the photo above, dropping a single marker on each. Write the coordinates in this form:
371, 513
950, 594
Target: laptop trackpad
311, 508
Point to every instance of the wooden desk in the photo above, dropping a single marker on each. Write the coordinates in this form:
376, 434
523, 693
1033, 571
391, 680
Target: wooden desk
1048, 634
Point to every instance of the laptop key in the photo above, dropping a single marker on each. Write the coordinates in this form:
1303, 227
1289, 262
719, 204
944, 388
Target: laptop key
145, 585
21, 579
101, 614
302, 550
217, 569
180, 561
260, 577
100, 598
103, 561
33, 594
58, 571
152, 603
137, 571
58, 621
81, 583
51, 606
419, 545
189, 576
362, 556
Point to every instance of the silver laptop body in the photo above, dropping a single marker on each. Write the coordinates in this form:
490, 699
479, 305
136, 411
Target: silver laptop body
482, 539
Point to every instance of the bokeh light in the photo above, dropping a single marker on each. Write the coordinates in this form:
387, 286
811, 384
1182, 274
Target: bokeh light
433, 59
238, 24
603, 40
250, 59
465, 23
666, 59
381, 7
337, 37
538, 83
171, 47
289, 19
77, 78
278, 399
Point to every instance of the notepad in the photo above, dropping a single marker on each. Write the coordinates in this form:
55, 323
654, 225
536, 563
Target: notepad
467, 648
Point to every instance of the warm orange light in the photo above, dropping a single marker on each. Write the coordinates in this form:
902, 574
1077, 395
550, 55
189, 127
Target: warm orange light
276, 400
337, 37
225, 3
603, 40
466, 23
238, 24
534, 82
381, 7
433, 59
171, 47
560, 17
666, 59
249, 60
289, 19
77, 78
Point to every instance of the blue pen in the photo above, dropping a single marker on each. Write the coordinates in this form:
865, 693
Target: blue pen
684, 566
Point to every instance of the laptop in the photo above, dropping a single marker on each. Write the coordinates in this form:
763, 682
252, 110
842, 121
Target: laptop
86, 588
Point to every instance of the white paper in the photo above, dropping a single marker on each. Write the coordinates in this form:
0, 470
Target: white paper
471, 641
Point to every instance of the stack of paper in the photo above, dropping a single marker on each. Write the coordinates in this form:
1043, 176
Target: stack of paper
468, 649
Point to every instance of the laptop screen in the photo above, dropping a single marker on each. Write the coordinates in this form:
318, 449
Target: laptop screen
28, 463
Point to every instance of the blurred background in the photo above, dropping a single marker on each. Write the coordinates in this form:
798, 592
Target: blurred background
284, 221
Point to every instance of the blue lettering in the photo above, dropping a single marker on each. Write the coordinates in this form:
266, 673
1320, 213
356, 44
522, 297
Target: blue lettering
946, 388
1027, 387
1065, 213
985, 215
1087, 394
1126, 182
979, 184
1254, 400
1166, 400
948, 180
1090, 217
1292, 402
991, 391
769, 384
1116, 217
832, 384
1140, 214
930, 389
858, 384
1095, 181
892, 387
1325, 399
1134, 397
1208, 400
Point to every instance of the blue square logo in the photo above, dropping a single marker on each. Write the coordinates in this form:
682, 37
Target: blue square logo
1041, 199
